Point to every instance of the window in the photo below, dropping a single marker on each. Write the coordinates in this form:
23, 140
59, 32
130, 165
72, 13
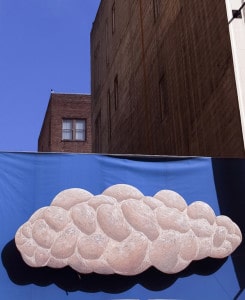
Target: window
116, 92
109, 114
73, 130
106, 43
155, 9
163, 98
97, 143
113, 9
96, 69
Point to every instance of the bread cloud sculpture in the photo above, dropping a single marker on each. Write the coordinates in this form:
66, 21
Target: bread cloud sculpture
122, 231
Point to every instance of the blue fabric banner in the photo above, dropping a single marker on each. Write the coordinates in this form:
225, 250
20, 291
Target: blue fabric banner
29, 181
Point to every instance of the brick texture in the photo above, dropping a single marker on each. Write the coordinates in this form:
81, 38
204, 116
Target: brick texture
71, 106
176, 84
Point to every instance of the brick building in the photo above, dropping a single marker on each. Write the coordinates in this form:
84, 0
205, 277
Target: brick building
163, 79
67, 124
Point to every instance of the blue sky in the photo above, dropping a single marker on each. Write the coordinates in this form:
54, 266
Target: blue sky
44, 45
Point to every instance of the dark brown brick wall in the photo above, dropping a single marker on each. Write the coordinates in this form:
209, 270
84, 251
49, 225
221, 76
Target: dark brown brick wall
74, 106
176, 85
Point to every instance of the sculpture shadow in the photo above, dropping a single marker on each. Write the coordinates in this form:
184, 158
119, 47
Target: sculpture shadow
229, 177
69, 280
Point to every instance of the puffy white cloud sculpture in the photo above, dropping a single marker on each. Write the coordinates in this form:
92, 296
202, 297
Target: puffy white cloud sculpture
122, 231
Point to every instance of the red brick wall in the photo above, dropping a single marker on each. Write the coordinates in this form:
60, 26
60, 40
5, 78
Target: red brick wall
74, 106
186, 52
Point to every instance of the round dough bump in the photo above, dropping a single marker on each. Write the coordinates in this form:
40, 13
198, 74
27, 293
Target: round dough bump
122, 231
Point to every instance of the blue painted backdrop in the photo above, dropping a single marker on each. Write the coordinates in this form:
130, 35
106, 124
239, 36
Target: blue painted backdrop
29, 181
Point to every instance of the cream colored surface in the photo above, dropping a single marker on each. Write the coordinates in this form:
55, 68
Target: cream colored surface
122, 231
237, 37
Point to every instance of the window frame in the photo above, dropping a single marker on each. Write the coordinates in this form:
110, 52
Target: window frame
74, 130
